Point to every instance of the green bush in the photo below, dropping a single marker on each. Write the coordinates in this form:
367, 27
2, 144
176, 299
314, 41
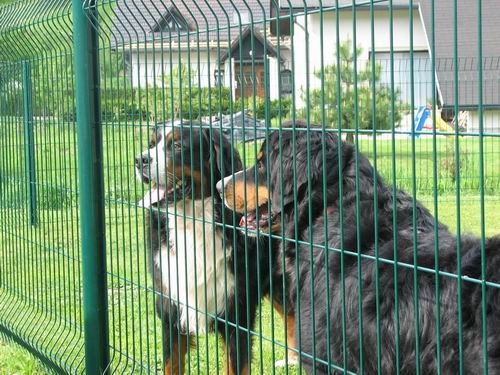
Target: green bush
158, 104
258, 107
175, 98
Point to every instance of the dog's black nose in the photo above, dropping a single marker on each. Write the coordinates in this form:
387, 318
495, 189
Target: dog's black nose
142, 160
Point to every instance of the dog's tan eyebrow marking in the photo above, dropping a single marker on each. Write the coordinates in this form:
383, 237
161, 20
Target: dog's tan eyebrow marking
260, 155
154, 138
176, 135
173, 136
168, 138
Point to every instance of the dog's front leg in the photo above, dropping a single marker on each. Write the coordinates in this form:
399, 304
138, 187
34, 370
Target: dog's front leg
175, 347
236, 361
175, 344
289, 322
236, 340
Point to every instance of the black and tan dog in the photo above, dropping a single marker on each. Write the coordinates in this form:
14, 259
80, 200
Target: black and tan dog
199, 265
338, 218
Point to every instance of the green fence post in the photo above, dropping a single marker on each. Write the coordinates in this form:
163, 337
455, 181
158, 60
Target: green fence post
29, 144
91, 183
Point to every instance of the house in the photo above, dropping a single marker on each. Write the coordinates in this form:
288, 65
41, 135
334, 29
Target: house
466, 95
310, 24
216, 39
273, 48
419, 41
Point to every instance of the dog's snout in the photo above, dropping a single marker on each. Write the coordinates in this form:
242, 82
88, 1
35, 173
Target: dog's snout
142, 160
221, 185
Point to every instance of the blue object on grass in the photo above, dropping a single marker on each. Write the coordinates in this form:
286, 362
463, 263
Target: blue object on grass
420, 119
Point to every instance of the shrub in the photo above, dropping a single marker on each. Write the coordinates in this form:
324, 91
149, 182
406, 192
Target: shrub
258, 107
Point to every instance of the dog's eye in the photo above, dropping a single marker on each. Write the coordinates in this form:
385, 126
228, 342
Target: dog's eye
177, 146
260, 164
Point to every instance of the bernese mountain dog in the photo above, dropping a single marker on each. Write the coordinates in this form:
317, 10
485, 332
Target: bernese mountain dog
205, 279
362, 263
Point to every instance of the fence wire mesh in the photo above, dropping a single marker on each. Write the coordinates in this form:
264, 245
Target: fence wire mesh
359, 238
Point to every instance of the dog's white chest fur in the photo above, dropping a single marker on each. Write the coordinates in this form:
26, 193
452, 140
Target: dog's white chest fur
192, 266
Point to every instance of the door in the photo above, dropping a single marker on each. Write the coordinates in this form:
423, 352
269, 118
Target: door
247, 80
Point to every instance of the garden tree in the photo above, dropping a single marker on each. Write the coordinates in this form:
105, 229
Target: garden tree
53, 79
365, 81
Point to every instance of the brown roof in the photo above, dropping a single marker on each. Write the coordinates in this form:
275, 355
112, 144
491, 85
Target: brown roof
208, 19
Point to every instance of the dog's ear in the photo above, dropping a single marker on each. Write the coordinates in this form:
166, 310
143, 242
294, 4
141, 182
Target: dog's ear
224, 158
312, 160
289, 177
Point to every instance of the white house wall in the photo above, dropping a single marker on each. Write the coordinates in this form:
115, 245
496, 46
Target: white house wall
274, 71
228, 73
304, 67
148, 68
491, 121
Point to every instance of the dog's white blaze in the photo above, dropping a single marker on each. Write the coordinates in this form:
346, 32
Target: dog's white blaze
195, 266
158, 158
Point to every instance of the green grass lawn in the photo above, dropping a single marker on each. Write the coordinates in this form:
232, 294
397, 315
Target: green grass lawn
40, 278
14, 360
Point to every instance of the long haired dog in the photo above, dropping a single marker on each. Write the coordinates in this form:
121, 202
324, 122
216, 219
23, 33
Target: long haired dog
197, 264
392, 316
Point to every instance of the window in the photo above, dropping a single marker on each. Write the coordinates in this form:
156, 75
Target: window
281, 23
219, 77
286, 81
422, 74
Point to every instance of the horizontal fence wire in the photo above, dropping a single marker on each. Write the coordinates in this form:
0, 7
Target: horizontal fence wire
280, 268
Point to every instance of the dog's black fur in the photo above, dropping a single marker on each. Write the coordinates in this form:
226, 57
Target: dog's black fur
208, 148
369, 231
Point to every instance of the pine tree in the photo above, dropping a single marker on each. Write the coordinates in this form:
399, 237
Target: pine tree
348, 106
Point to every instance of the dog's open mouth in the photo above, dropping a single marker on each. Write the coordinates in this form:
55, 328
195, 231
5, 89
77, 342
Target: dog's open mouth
145, 179
263, 219
160, 194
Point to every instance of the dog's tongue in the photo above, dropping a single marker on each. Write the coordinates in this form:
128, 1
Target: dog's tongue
248, 220
153, 197
243, 221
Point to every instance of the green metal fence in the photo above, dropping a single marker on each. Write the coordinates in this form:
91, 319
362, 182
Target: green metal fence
412, 85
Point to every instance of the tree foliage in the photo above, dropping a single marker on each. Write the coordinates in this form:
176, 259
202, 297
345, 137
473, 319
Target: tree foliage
349, 105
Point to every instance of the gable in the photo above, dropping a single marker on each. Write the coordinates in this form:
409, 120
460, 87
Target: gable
241, 50
206, 15
171, 21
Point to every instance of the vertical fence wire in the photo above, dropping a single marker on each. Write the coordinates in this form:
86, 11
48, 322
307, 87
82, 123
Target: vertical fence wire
41, 292
369, 271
